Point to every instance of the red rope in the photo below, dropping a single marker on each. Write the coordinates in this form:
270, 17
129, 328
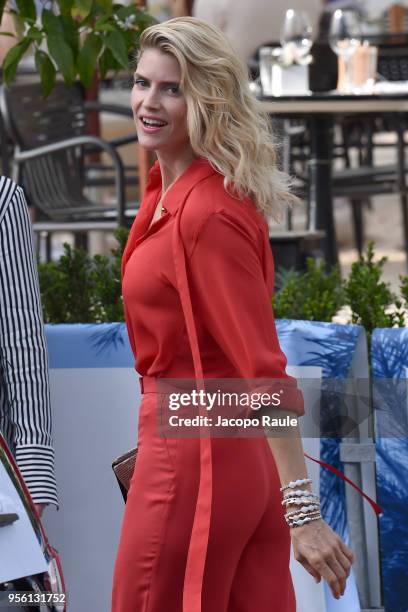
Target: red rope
377, 509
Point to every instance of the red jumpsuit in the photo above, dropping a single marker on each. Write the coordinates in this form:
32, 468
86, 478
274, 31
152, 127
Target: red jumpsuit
245, 557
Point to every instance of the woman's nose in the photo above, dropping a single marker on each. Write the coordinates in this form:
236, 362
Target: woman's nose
152, 98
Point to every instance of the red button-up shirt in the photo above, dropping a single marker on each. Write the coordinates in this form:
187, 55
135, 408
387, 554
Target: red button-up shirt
231, 277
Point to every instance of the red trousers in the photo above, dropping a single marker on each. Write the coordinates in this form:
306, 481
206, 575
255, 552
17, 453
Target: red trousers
247, 563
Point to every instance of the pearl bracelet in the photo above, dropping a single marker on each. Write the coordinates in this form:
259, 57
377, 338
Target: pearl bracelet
312, 517
300, 500
294, 483
293, 516
305, 520
304, 510
299, 493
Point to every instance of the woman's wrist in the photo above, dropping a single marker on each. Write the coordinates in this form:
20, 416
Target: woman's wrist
302, 505
308, 488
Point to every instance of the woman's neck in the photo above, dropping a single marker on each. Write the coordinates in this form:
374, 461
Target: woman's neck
171, 167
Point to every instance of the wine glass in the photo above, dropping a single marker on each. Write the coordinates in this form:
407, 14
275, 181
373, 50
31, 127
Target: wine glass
344, 39
296, 35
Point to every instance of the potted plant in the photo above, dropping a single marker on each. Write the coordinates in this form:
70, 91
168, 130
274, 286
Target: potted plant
78, 38
82, 289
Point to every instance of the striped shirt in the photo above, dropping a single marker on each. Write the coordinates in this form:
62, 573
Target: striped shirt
25, 411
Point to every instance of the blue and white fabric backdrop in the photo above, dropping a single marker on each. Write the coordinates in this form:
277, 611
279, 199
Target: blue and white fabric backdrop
389, 355
337, 352
95, 398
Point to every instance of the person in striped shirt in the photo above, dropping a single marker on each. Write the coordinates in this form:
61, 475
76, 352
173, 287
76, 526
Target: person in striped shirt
25, 411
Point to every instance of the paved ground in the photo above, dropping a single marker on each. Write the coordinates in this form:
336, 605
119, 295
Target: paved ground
384, 227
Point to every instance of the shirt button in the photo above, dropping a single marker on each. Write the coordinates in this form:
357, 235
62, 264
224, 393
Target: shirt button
164, 210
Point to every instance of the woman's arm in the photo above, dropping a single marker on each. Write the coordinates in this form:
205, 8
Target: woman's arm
230, 294
315, 545
289, 457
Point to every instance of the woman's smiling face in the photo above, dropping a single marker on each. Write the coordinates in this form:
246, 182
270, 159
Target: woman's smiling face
158, 105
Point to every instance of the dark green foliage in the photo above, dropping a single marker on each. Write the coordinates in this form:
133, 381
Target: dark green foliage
13, 58
369, 297
404, 289
53, 290
112, 34
81, 289
2, 6
314, 295
47, 72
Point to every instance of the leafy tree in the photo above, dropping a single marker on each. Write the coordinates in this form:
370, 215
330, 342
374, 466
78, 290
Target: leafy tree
76, 38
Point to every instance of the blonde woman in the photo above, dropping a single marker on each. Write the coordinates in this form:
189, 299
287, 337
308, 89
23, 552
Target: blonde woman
204, 527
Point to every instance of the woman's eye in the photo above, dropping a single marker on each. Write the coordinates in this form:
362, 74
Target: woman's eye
140, 82
173, 89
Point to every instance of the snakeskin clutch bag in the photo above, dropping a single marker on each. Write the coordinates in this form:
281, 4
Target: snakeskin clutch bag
123, 468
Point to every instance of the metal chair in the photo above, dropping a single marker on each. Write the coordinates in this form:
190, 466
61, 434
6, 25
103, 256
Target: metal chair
369, 179
51, 145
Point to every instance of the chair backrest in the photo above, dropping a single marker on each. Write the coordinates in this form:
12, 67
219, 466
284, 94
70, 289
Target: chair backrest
34, 121
392, 62
54, 183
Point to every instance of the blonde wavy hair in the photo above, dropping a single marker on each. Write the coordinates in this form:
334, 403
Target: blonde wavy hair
225, 122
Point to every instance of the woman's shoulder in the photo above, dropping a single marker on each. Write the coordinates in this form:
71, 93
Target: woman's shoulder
210, 200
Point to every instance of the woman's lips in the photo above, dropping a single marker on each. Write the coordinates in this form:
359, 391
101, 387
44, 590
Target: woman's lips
151, 129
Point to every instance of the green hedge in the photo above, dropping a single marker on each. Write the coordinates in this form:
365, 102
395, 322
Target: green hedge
78, 288
81, 289
316, 295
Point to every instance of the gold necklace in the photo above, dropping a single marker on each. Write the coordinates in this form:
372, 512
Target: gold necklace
163, 209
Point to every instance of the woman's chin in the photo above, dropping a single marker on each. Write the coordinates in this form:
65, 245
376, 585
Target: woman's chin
148, 143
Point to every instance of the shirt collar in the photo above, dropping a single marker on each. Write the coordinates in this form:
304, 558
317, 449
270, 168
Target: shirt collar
199, 169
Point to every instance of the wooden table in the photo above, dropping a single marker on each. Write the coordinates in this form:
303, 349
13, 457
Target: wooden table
320, 112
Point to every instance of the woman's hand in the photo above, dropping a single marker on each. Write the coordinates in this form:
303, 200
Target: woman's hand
323, 554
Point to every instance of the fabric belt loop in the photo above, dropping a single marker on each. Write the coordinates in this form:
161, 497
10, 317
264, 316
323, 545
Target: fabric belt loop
141, 384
